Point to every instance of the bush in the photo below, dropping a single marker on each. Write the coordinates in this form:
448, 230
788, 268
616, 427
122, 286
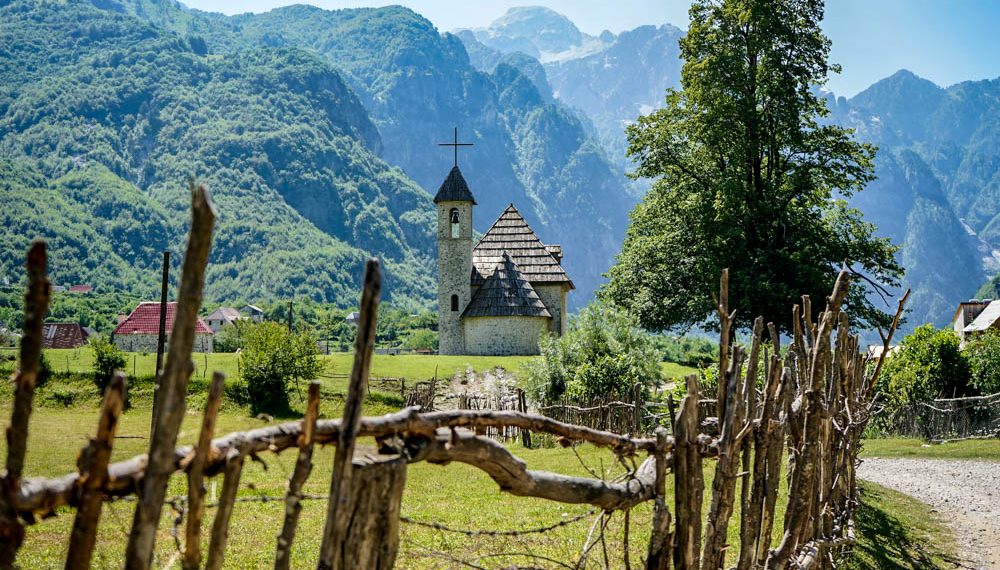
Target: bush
983, 353
272, 360
230, 338
604, 353
422, 339
107, 359
928, 365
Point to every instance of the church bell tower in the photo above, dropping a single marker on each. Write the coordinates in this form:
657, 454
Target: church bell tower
454, 204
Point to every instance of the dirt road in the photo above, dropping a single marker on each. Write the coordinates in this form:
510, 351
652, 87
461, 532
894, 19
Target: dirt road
966, 493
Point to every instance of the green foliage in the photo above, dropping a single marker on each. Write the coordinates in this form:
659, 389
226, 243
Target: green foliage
604, 353
107, 360
231, 338
422, 339
688, 350
983, 353
747, 176
273, 361
928, 365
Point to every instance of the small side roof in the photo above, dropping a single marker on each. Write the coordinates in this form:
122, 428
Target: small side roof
454, 189
506, 293
985, 319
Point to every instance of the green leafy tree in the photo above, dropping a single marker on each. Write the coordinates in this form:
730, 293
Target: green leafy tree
604, 353
272, 361
422, 339
107, 359
747, 176
983, 353
929, 365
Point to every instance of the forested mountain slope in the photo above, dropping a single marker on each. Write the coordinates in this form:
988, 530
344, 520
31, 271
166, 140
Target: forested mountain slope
112, 114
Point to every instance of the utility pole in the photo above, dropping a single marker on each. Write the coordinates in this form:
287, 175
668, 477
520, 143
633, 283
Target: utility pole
162, 340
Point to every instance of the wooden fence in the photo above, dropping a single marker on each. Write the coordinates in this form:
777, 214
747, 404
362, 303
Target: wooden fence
814, 402
974, 417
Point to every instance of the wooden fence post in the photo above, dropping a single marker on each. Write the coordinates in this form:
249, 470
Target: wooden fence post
303, 466
689, 486
660, 539
173, 384
371, 540
227, 499
36, 305
337, 514
196, 475
522, 401
94, 476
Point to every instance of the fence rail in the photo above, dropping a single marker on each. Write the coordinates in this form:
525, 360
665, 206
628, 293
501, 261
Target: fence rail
815, 403
942, 419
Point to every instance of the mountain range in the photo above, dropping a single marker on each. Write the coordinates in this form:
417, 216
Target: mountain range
317, 132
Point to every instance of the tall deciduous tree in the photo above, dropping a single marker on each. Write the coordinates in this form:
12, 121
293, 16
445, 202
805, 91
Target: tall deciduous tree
747, 175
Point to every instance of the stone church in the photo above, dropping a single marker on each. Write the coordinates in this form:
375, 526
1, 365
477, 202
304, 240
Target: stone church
499, 296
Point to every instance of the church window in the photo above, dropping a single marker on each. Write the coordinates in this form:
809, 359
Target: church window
454, 302
453, 215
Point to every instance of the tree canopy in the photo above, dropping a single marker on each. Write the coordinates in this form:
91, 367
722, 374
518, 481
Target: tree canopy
749, 176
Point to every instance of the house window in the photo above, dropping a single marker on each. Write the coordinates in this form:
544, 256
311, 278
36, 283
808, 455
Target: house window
454, 302
453, 216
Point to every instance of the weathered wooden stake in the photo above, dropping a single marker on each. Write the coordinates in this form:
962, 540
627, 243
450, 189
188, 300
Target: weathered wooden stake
94, 476
660, 539
173, 388
196, 475
227, 498
303, 466
36, 305
689, 486
337, 516
371, 540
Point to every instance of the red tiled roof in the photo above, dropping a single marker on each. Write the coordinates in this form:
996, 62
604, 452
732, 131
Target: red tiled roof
81, 289
145, 319
63, 335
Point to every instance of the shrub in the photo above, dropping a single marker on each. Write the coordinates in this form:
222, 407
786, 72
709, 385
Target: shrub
604, 353
230, 338
928, 365
983, 352
272, 360
422, 339
107, 359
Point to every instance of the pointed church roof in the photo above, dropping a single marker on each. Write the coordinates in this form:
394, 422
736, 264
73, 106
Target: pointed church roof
454, 189
511, 234
506, 293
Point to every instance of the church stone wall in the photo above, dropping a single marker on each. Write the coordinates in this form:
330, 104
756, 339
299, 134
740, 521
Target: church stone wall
554, 297
504, 336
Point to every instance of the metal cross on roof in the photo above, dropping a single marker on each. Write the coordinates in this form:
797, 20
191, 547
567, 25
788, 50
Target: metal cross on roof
455, 144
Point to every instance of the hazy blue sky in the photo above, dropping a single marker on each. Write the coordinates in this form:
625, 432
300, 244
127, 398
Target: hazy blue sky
946, 41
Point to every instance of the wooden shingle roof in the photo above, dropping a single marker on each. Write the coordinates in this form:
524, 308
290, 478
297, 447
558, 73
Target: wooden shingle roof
506, 293
511, 234
454, 189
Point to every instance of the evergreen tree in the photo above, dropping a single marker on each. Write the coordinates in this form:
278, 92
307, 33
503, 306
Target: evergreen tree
747, 175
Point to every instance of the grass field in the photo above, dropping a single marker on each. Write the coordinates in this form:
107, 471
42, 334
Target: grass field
895, 531
983, 449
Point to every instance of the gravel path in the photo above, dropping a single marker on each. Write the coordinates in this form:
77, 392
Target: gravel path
965, 493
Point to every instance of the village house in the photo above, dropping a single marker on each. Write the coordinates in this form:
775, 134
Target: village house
254, 313
63, 335
139, 332
223, 317
81, 289
975, 316
499, 296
